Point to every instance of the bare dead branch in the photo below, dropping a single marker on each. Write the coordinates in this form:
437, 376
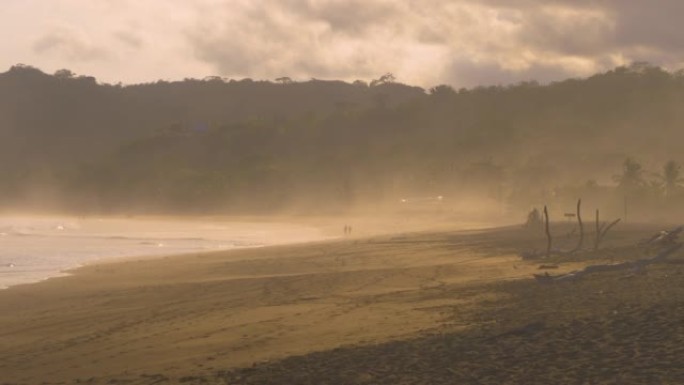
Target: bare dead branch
548, 233
604, 231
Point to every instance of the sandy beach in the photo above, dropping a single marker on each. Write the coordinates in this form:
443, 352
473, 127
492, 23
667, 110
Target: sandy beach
433, 307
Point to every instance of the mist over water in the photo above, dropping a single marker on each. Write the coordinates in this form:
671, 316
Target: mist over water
36, 248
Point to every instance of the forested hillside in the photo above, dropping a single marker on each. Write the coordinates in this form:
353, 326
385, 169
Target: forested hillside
244, 146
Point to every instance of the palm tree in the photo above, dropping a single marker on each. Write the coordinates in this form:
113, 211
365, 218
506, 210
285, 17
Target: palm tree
632, 175
630, 181
671, 178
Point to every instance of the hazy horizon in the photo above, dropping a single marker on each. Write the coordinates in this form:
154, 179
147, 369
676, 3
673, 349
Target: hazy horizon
352, 80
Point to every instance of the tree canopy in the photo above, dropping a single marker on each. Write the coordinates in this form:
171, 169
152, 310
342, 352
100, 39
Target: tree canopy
246, 145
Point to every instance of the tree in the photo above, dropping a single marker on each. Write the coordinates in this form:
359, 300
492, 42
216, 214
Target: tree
384, 79
213, 78
64, 74
632, 176
284, 80
671, 178
442, 90
630, 181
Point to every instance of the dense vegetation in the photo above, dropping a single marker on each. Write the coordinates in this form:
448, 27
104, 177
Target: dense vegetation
218, 145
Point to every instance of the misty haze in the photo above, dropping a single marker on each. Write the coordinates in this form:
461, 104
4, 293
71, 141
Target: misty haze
341, 192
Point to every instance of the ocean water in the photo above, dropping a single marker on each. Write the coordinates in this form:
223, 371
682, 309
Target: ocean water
36, 248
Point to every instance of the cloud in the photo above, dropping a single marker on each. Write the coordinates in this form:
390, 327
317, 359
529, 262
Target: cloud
568, 31
468, 74
632, 30
351, 17
270, 40
423, 42
427, 42
129, 38
69, 44
341, 39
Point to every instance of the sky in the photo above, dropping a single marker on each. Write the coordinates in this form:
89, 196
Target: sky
463, 43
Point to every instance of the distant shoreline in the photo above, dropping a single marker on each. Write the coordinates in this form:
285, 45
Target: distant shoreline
37, 248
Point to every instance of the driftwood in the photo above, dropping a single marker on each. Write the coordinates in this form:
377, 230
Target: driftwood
601, 231
580, 242
542, 267
632, 265
664, 238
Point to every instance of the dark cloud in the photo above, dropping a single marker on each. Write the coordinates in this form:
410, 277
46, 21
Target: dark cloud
651, 24
626, 27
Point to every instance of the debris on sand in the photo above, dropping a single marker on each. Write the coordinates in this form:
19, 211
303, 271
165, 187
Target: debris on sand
632, 265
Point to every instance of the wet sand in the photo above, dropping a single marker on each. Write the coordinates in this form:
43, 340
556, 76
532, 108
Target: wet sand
439, 307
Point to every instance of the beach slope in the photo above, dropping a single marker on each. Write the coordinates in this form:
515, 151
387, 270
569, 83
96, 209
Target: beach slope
197, 318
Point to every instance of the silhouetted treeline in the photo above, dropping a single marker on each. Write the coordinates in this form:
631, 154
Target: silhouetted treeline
217, 145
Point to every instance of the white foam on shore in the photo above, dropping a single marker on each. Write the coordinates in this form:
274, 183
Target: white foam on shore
36, 248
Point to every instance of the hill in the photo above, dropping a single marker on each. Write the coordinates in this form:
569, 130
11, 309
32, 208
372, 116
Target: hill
218, 145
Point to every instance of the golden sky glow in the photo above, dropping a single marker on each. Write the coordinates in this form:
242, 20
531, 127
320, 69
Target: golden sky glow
427, 42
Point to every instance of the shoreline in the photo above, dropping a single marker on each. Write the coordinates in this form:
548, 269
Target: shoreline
30, 256
199, 314
326, 228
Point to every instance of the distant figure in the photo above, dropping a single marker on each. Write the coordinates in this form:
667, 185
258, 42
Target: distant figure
346, 229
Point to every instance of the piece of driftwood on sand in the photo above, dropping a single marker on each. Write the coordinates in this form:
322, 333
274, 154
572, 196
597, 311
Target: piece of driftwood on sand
665, 237
632, 265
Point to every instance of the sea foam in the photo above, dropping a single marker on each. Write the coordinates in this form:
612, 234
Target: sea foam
36, 248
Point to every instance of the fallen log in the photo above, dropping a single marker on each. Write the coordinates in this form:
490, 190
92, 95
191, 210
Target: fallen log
665, 237
633, 265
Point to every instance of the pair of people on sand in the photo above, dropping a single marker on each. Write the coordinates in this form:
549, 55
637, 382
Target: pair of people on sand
347, 230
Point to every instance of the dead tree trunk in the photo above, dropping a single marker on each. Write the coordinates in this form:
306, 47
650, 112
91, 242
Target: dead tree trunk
548, 233
598, 231
581, 226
